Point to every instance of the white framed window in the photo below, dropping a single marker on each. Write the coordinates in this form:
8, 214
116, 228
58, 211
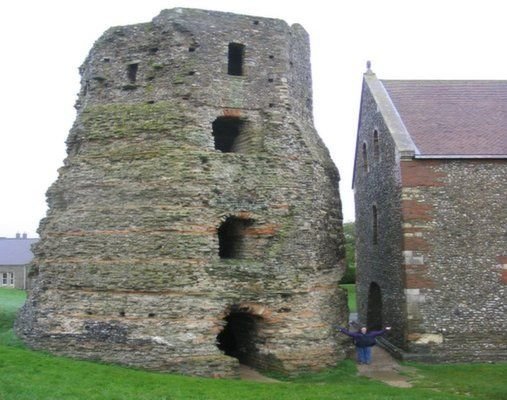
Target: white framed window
7, 279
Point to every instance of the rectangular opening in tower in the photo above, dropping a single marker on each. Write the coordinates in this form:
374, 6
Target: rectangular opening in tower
232, 240
227, 132
236, 59
132, 72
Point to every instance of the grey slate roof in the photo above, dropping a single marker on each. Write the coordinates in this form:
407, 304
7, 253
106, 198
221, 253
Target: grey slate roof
453, 118
16, 251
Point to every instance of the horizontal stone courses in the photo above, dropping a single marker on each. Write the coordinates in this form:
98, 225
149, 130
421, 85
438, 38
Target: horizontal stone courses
189, 230
165, 294
124, 220
203, 158
162, 319
268, 230
94, 268
162, 207
189, 196
169, 165
124, 260
216, 187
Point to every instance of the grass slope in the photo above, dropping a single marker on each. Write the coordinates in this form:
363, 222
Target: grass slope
351, 296
30, 375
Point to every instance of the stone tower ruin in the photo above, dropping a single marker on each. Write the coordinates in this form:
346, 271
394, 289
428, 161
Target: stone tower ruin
196, 222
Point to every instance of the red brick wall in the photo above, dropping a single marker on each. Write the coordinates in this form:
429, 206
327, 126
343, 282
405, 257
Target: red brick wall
417, 277
414, 210
417, 216
421, 173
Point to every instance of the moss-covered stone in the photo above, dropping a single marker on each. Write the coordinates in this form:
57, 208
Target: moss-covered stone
158, 241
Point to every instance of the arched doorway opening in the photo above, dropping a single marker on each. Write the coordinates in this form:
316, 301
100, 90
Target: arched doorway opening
240, 336
374, 312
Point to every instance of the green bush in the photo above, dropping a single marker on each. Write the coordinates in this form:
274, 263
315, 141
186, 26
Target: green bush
350, 276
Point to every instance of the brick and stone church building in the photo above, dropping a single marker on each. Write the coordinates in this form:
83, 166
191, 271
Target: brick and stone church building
430, 182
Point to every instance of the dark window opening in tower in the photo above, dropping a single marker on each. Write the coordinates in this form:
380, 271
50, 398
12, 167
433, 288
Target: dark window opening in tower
239, 337
236, 58
374, 310
132, 72
231, 238
227, 132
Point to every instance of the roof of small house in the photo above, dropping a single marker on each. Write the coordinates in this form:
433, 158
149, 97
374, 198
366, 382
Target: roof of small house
452, 118
16, 251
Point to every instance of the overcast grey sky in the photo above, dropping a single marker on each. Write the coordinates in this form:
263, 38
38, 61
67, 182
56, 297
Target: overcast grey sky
44, 42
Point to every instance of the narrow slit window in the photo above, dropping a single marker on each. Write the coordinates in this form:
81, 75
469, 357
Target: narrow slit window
375, 225
365, 158
236, 59
376, 149
132, 72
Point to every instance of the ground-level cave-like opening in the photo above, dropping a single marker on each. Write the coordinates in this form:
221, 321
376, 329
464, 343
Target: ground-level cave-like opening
240, 336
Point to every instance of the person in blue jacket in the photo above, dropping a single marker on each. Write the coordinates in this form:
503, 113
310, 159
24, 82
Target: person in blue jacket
364, 341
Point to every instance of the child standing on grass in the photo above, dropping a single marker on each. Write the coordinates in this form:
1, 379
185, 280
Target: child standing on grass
364, 341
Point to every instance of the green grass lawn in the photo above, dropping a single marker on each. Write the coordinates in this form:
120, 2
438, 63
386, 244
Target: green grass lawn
30, 375
10, 301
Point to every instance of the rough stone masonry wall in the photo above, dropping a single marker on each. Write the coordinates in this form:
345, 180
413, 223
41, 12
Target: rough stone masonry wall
378, 185
128, 265
455, 237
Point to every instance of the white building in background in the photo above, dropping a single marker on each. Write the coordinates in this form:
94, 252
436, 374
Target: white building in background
15, 257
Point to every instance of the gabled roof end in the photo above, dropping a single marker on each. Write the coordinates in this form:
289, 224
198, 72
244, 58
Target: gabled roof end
395, 125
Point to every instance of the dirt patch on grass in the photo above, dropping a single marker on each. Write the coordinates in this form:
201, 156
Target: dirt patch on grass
386, 369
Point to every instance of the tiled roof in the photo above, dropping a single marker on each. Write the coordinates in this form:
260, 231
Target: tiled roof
453, 118
16, 251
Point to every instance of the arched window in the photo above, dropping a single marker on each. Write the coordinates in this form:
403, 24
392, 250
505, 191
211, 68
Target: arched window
376, 148
365, 158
